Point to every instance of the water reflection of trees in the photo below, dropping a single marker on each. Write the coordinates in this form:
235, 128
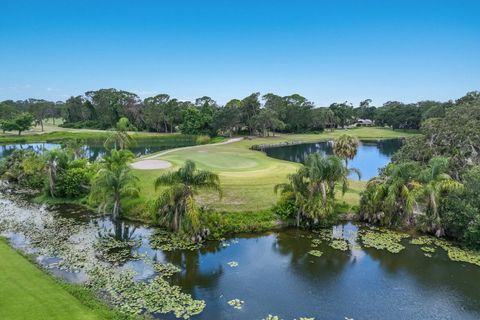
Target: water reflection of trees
298, 153
328, 266
116, 229
192, 275
437, 273
388, 147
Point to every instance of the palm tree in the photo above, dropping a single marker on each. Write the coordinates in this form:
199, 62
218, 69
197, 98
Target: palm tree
298, 187
176, 207
336, 173
313, 186
114, 180
435, 181
55, 160
345, 147
120, 137
396, 190
75, 146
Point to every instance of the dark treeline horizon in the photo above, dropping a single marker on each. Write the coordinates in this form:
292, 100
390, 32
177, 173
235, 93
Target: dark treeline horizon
254, 114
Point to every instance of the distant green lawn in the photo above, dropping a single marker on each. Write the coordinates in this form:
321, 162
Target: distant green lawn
26, 292
248, 176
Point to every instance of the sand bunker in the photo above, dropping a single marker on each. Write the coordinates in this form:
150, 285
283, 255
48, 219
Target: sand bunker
151, 164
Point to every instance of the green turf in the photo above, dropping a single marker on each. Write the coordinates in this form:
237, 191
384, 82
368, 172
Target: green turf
28, 293
248, 176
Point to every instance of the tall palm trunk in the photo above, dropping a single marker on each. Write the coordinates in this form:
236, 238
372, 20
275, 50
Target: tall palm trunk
175, 221
116, 206
51, 183
52, 177
324, 192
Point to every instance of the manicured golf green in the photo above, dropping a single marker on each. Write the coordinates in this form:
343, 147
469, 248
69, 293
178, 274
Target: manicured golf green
28, 293
248, 176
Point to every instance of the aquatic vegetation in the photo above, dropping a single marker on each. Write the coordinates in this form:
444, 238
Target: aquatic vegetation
325, 234
131, 297
233, 264
236, 303
166, 269
79, 250
383, 240
454, 253
270, 317
428, 249
469, 256
339, 245
423, 240
169, 241
315, 253
316, 243
115, 251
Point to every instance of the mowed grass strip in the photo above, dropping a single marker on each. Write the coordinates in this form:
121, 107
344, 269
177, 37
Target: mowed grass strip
26, 292
247, 176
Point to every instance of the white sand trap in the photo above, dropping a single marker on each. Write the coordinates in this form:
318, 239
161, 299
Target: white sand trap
151, 164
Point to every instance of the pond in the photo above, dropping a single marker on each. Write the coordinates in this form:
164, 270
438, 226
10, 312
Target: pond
371, 155
94, 149
331, 274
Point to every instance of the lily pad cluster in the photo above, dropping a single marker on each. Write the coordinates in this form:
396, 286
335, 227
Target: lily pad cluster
339, 245
233, 264
132, 297
115, 251
166, 269
271, 317
316, 253
316, 242
79, 249
454, 253
383, 240
168, 241
236, 303
54, 237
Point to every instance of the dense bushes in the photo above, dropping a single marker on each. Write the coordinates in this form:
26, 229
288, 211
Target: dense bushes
75, 180
461, 210
55, 172
434, 182
25, 168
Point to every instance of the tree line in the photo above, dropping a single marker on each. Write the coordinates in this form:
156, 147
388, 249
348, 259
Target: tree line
433, 183
254, 114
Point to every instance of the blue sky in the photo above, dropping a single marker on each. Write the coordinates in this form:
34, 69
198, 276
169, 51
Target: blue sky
325, 50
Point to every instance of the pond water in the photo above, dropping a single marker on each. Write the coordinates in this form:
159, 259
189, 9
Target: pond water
94, 149
371, 155
274, 273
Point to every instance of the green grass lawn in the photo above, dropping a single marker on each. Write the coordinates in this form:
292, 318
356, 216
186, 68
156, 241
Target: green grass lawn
248, 176
52, 132
28, 293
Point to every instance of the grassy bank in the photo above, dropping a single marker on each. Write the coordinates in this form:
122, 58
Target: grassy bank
248, 176
58, 136
26, 292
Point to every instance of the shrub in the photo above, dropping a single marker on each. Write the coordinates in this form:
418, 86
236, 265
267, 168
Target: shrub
203, 139
73, 183
285, 207
25, 168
